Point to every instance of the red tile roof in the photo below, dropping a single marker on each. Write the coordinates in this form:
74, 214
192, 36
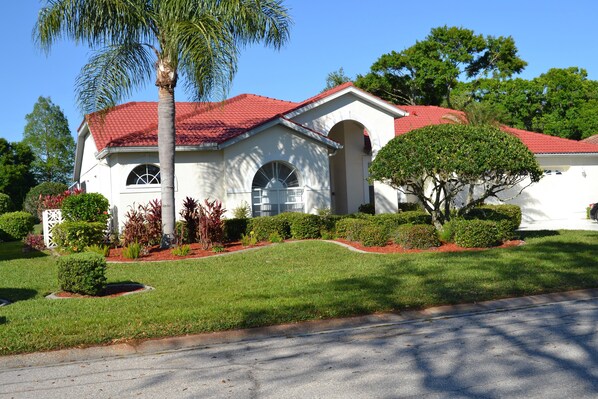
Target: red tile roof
538, 143
135, 124
592, 139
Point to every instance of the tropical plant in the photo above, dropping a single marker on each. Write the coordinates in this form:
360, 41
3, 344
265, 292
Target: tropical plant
35, 196
211, 227
132, 40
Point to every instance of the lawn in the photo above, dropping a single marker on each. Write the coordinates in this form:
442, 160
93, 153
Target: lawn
277, 284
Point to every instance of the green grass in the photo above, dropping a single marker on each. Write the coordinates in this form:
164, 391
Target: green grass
278, 284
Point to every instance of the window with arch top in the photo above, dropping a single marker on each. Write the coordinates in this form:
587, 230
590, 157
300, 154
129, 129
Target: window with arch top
144, 175
276, 189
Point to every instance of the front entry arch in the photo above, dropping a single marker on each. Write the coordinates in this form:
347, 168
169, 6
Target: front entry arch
349, 167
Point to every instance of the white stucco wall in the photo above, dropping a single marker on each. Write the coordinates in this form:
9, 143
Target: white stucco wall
278, 143
563, 196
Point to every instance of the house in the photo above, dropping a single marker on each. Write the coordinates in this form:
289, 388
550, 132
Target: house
282, 156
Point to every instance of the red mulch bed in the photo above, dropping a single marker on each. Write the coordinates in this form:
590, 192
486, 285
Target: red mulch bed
447, 247
157, 254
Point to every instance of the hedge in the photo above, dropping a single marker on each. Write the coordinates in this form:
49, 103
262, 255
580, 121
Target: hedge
350, 228
86, 207
263, 226
83, 273
507, 218
417, 236
15, 226
476, 233
76, 236
234, 228
372, 235
391, 221
306, 226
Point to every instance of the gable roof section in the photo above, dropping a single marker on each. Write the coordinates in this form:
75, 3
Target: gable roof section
538, 143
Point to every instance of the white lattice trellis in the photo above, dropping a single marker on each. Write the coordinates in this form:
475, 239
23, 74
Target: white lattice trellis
51, 217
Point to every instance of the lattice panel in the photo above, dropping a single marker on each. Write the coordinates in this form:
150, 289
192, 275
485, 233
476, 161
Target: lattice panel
51, 217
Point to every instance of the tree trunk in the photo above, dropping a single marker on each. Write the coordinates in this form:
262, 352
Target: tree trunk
166, 81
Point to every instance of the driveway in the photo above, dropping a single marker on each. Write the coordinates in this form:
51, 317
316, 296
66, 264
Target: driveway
529, 347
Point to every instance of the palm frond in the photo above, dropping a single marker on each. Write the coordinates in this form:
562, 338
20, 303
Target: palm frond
112, 74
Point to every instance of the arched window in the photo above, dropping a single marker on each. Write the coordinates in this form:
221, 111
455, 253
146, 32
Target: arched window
276, 189
144, 174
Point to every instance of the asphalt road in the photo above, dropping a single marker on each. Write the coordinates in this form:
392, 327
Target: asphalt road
540, 351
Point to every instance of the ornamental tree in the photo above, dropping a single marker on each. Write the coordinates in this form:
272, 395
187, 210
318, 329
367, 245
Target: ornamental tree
441, 164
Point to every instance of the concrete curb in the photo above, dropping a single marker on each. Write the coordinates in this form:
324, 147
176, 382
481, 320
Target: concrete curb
188, 342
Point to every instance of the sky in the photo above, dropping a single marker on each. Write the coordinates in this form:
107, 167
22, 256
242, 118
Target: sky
326, 35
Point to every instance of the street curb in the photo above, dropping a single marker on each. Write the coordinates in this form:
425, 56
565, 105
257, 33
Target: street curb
159, 345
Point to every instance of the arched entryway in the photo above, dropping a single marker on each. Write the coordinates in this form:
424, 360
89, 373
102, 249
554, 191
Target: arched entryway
349, 167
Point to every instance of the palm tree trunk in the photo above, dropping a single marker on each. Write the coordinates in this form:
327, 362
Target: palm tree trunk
166, 153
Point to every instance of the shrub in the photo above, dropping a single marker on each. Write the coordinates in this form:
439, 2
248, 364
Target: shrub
54, 201
34, 242
76, 236
243, 211
391, 221
306, 226
447, 233
370, 209
181, 250
6, 204
86, 207
143, 224
417, 236
373, 236
350, 228
82, 273
234, 228
476, 233
153, 217
190, 215
133, 250
507, 218
103, 250
15, 226
409, 206
218, 248
275, 238
263, 226
249, 239
211, 230
34, 198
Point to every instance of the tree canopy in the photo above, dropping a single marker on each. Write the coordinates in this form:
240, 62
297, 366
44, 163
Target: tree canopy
336, 78
47, 133
444, 164
15, 170
427, 72
136, 40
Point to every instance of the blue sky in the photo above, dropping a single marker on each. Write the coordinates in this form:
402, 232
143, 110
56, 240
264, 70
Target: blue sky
327, 34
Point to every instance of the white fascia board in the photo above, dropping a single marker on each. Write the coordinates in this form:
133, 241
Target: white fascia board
567, 154
391, 109
281, 121
180, 148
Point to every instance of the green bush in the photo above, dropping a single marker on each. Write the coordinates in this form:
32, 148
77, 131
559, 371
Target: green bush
372, 235
32, 203
409, 206
234, 228
6, 204
391, 221
133, 250
306, 226
447, 233
350, 228
275, 238
15, 226
86, 207
417, 236
476, 233
507, 218
76, 236
103, 250
370, 209
83, 273
263, 226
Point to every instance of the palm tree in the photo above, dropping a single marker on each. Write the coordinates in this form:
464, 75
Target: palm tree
133, 39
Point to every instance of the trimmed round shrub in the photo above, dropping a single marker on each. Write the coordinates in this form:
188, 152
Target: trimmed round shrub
76, 236
234, 228
507, 218
6, 204
417, 236
263, 226
476, 233
306, 226
392, 221
373, 236
32, 203
83, 273
370, 209
86, 207
15, 226
350, 228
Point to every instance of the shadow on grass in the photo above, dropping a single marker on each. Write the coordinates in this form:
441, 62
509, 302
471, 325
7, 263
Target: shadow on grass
3, 320
17, 294
14, 250
537, 234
